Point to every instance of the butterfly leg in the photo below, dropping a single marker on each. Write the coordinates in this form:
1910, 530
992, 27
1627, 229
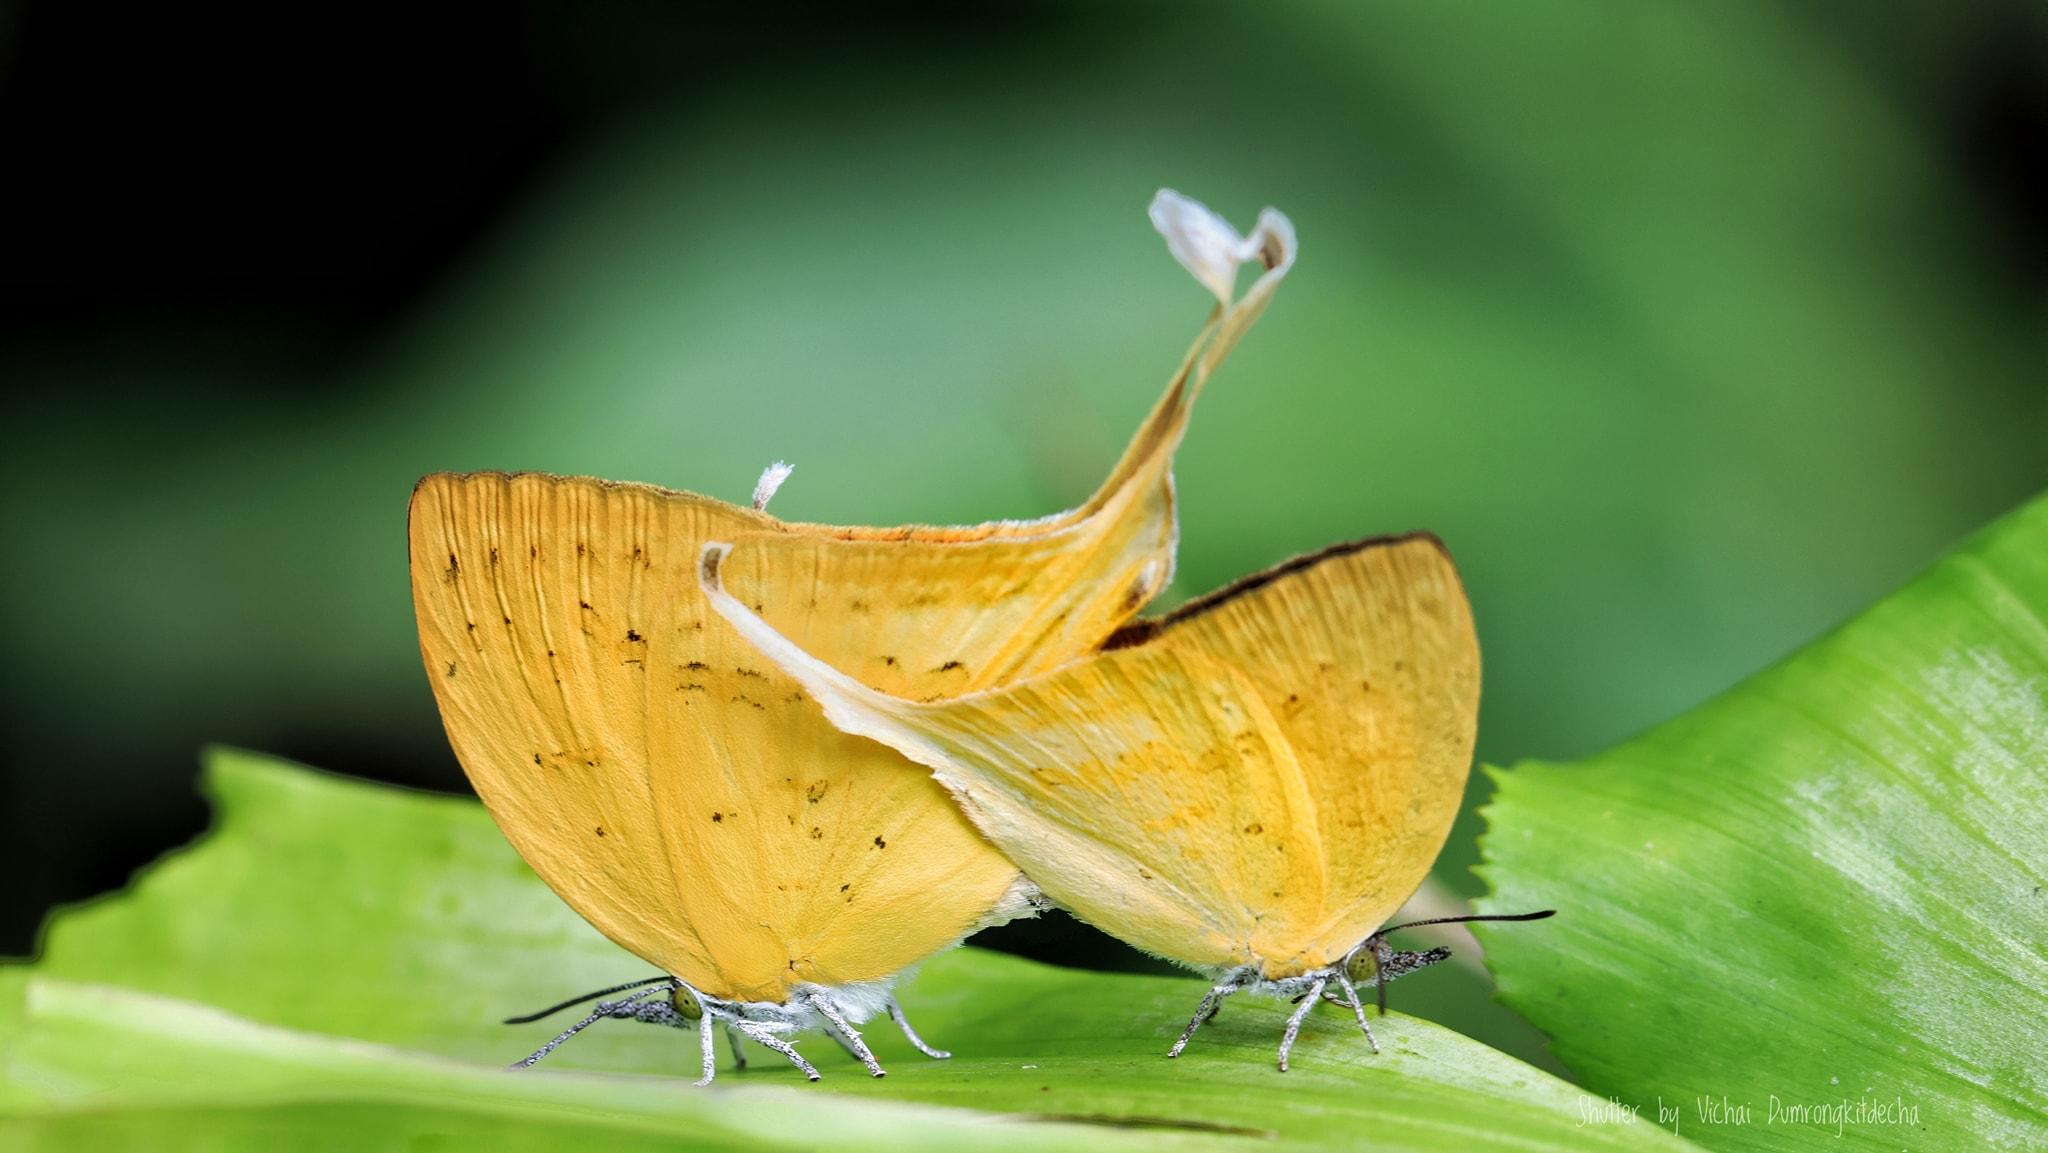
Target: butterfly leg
757, 1034
707, 1045
1210, 1004
840, 1039
903, 1023
1315, 994
1357, 1009
849, 1035
734, 1042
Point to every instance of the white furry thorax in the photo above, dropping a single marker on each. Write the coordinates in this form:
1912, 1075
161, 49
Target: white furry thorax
858, 1002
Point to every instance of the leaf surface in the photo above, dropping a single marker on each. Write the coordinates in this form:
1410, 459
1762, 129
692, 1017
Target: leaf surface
327, 967
1823, 889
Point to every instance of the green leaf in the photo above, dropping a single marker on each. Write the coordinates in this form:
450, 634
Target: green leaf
327, 968
1824, 888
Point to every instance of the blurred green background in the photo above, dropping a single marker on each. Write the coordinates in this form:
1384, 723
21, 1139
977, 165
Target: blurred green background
1691, 326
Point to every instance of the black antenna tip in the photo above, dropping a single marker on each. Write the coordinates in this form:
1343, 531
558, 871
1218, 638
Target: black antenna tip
1537, 916
1467, 918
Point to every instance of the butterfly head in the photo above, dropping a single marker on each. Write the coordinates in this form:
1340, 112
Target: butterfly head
684, 999
1380, 961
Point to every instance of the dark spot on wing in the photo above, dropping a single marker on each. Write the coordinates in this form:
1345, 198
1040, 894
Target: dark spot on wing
1135, 597
747, 672
691, 687
600, 830
890, 661
817, 834
696, 666
880, 843
857, 607
816, 790
494, 554
633, 635
1254, 829
451, 668
948, 667
454, 566
717, 818
536, 758
585, 604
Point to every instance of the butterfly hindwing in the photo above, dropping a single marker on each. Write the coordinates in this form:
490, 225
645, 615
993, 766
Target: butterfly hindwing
1367, 656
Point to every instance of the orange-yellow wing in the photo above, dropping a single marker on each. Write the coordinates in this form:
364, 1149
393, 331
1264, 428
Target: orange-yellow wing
1264, 775
924, 620
673, 789
1367, 655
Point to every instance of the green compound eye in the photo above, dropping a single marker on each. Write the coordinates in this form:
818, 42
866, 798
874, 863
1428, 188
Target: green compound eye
686, 1003
1364, 967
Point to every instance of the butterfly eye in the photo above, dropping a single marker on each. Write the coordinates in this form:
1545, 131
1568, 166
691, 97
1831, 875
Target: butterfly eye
1364, 967
686, 1003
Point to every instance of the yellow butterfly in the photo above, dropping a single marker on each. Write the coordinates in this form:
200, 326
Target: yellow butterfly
687, 798
1249, 785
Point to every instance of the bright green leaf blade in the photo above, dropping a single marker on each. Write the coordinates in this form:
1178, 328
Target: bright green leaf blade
1826, 886
334, 948
113, 1062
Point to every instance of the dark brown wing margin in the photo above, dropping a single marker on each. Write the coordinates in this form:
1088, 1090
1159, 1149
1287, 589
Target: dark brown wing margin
1140, 631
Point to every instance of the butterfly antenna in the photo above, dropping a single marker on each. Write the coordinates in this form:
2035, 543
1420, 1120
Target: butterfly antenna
1472, 917
605, 1010
552, 1010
